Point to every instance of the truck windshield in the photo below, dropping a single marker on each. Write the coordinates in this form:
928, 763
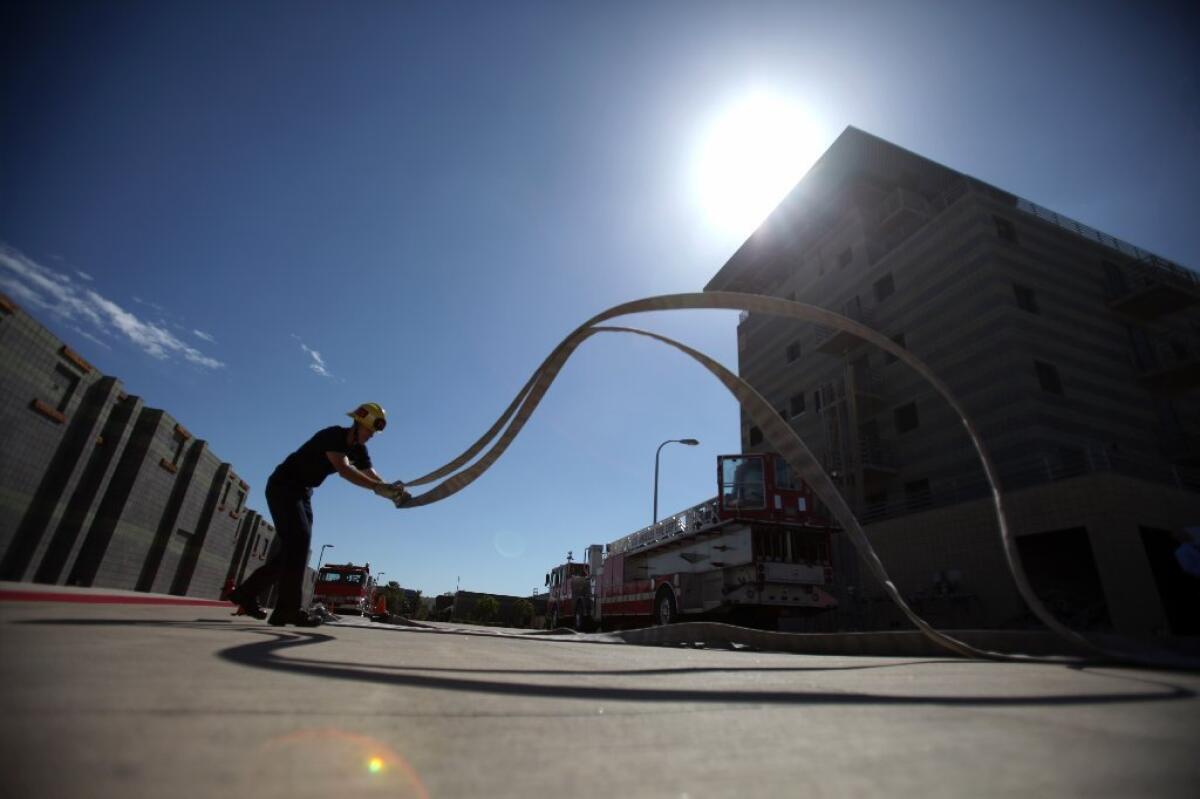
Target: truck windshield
353, 578
785, 478
742, 483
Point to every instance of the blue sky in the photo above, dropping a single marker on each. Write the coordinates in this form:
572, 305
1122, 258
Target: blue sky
258, 215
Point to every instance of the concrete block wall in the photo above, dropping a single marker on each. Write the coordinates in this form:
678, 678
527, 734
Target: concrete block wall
186, 518
52, 407
245, 537
98, 489
205, 562
64, 545
130, 517
259, 548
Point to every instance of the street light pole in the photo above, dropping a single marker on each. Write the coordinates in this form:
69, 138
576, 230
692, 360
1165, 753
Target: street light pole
691, 442
322, 555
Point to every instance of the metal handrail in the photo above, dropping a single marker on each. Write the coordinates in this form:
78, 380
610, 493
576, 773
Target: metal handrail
1159, 267
686, 521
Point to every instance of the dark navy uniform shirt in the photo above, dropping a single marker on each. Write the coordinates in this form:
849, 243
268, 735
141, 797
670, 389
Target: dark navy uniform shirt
308, 467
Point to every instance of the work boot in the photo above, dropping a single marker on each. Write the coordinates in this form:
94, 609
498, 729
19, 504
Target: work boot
299, 619
246, 606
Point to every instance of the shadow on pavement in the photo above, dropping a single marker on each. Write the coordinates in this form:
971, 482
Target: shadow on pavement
267, 655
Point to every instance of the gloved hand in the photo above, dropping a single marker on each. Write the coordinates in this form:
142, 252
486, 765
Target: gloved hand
392, 491
385, 490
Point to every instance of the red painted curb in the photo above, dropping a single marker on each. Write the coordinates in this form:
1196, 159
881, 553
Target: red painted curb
105, 599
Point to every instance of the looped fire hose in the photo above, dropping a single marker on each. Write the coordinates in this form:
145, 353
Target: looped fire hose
783, 440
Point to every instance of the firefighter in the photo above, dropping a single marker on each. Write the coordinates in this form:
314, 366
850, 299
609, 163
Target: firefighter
289, 492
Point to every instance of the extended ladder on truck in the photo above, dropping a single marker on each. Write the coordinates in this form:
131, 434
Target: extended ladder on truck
757, 551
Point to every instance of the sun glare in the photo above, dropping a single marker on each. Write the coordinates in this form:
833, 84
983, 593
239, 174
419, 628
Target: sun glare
750, 157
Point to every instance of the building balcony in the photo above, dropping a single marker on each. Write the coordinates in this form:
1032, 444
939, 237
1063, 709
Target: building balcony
1174, 378
901, 214
1144, 285
868, 392
1151, 288
875, 457
838, 342
902, 209
1180, 447
1169, 365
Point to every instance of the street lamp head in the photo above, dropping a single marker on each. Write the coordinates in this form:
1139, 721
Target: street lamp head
691, 442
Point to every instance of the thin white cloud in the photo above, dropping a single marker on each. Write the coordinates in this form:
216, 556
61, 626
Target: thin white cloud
36, 285
317, 364
206, 336
85, 275
90, 337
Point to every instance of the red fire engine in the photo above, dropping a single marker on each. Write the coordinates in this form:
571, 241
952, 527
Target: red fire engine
755, 552
345, 588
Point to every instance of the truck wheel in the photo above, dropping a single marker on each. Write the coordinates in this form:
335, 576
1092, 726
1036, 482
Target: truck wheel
664, 606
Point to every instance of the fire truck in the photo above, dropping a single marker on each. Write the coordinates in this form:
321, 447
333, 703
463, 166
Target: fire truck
345, 588
757, 551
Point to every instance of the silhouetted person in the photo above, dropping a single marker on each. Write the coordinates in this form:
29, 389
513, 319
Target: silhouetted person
289, 492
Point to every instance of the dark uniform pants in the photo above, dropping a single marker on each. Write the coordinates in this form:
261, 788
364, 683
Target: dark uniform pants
291, 510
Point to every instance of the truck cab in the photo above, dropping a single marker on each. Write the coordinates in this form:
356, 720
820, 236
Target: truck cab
567, 589
762, 486
345, 588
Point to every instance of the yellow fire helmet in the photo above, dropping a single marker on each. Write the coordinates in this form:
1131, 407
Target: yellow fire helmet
370, 416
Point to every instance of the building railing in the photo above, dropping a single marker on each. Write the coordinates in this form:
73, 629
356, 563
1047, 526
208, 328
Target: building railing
1147, 263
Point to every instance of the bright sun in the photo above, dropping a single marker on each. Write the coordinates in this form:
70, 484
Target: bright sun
750, 157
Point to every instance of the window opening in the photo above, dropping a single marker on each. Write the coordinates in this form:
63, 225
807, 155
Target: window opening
63, 383
906, 418
884, 288
890, 358
1047, 375
1005, 229
796, 406
1026, 300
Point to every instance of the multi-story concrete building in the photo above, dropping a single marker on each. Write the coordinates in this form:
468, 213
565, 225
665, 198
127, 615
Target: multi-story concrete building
1076, 355
97, 489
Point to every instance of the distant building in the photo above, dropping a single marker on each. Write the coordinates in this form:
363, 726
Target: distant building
1077, 356
460, 606
98, 490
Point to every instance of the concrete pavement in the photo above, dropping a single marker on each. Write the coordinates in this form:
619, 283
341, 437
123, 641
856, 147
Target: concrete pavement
156, 700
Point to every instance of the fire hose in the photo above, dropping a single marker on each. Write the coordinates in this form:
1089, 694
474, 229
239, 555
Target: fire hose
785, 441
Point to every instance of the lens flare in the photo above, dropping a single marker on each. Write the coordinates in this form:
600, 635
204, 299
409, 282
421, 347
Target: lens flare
330, 760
